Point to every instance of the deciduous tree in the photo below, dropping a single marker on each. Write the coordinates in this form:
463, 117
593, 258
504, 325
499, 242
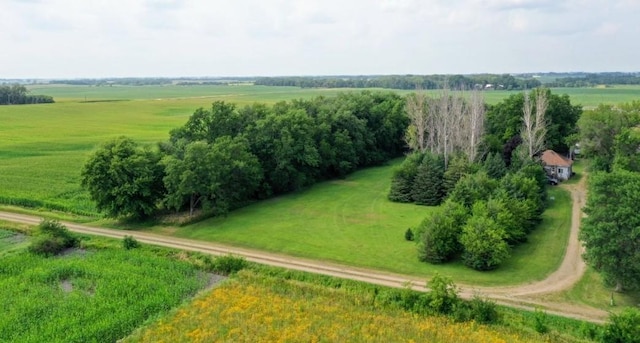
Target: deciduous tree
124, 179
483, 241
611, 230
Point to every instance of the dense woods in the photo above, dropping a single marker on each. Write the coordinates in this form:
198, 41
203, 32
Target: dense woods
225, 157
19, 95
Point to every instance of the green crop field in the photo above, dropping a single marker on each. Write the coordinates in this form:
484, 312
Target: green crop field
100, 293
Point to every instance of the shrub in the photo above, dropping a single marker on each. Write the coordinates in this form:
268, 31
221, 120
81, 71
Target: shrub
443, 295
483, 311
540, 322
623, 327
229, 264
129, 242
408, 235
51, 238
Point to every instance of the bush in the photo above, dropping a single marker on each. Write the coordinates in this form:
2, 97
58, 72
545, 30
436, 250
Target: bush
229, 264
443, 295
51, 238
540, 322
129, 242
623, 327
408, 235
483, 311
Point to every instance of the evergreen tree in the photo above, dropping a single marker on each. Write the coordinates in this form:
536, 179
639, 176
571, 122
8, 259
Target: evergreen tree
428, 184
494, 166
403, 177
458, 167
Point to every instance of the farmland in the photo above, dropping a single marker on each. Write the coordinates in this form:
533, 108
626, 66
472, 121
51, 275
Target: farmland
43, 146
99, 292
42, 149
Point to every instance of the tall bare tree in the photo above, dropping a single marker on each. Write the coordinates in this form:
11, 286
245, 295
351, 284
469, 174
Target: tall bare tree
534, 126
446, 123
475, 124
418, 113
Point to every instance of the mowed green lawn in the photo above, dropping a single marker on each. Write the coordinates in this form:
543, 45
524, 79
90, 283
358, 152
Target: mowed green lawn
351, 221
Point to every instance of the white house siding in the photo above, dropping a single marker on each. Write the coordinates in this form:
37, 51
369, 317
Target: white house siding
564, 173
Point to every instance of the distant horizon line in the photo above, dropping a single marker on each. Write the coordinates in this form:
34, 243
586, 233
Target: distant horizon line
309, 75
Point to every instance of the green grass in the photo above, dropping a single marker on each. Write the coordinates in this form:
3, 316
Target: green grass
90, 295
592, 291
351, 221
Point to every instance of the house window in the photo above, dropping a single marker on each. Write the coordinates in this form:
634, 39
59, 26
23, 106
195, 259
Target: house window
560, 171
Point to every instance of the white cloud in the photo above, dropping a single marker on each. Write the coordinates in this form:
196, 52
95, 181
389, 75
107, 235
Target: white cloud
99, 38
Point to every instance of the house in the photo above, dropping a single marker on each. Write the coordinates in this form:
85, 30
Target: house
557, 166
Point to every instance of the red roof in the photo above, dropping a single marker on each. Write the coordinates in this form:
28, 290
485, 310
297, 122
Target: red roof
551, 158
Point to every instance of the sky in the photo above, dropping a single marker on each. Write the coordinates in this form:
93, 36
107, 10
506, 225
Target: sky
198, 38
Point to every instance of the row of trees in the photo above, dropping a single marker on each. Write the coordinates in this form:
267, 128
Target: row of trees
481, 81
446, 124
19, 95
596, 79
610, 136
224, 157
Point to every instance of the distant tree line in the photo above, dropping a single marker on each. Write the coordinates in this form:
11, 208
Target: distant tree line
19, 95
591, 80
225, 156
132, 81
203, 83
151, 81
480, 81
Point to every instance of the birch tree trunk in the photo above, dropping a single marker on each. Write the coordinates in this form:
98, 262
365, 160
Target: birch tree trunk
534, 126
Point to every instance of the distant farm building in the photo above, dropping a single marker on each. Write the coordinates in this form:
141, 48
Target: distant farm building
557, 166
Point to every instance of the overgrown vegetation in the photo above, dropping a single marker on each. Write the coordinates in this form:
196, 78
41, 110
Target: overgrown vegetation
51, 238
311, 307
97, 293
